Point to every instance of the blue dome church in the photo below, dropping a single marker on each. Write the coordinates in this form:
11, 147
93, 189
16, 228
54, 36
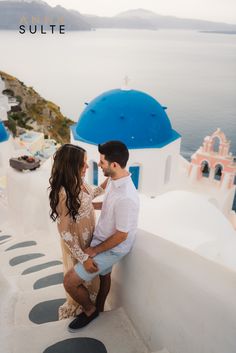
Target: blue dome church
4, 135
141, 122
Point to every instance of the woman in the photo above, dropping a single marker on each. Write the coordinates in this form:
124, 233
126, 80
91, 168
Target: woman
71, 206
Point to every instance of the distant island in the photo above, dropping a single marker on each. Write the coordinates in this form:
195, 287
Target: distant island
144, 19
219, 32
33, 112
13, 13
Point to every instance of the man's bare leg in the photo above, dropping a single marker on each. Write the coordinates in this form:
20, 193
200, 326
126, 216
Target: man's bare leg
105, 285
74, 286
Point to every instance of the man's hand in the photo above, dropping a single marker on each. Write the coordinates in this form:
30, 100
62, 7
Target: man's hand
90, 265
90, 251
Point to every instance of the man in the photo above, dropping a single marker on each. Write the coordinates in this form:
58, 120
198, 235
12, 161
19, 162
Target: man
113, 237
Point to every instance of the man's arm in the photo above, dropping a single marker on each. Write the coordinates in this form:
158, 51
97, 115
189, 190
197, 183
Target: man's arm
108, 244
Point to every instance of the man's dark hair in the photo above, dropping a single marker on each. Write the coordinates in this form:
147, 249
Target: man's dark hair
115, 151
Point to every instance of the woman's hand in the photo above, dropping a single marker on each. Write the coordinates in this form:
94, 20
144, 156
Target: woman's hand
90, 265
104, 184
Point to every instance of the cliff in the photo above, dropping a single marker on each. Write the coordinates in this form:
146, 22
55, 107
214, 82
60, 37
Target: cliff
34, 112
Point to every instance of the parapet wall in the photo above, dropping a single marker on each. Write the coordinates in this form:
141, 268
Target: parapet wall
175, 298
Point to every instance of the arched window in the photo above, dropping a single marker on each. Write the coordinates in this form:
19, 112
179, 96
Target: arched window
218, 172
134, 171
205, 169
216, 144
167, 170
95, 173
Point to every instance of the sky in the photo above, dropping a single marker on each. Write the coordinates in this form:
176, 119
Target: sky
213, 10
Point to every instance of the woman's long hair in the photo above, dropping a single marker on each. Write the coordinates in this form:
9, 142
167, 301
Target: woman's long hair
66, 173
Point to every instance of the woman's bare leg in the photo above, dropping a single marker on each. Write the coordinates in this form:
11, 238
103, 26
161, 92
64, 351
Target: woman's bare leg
74, 286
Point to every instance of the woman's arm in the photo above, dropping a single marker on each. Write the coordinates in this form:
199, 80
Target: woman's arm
99, 190
104, 184
63, 224
97, 205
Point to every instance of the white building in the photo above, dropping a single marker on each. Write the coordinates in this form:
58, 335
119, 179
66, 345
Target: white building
212, 170
31, 141
139, 121
6, 146
4, 103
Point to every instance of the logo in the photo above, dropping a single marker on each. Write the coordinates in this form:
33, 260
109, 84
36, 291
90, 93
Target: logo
43, 25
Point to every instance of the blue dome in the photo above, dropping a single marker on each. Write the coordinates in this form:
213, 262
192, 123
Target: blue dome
4, 135
130, 116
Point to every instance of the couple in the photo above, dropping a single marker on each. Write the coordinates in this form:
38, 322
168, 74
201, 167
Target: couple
89, 251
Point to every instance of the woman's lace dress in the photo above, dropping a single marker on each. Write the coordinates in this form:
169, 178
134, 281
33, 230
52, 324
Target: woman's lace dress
75, 237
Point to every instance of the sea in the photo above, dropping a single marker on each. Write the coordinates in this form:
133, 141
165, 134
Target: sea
193, 74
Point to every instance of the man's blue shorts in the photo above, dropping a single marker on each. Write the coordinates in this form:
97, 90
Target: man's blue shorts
104, 261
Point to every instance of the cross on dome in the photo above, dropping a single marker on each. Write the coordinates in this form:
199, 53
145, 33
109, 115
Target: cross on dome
126, 86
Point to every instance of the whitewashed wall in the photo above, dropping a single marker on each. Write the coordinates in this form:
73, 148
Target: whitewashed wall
153, 167
3, 101
175, 298
6, 152
28, 200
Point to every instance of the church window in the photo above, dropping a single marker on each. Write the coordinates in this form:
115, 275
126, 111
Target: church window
134, 171
167, 170
218, 172
95, 173
216, 144
205, 169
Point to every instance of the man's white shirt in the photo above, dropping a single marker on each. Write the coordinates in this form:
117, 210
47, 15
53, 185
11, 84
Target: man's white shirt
119, 212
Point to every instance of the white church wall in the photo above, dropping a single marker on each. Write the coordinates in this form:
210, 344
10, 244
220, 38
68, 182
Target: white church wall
153, 170
175, 298
93, 156
152, 164
168, 170
92, 150
4, 102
